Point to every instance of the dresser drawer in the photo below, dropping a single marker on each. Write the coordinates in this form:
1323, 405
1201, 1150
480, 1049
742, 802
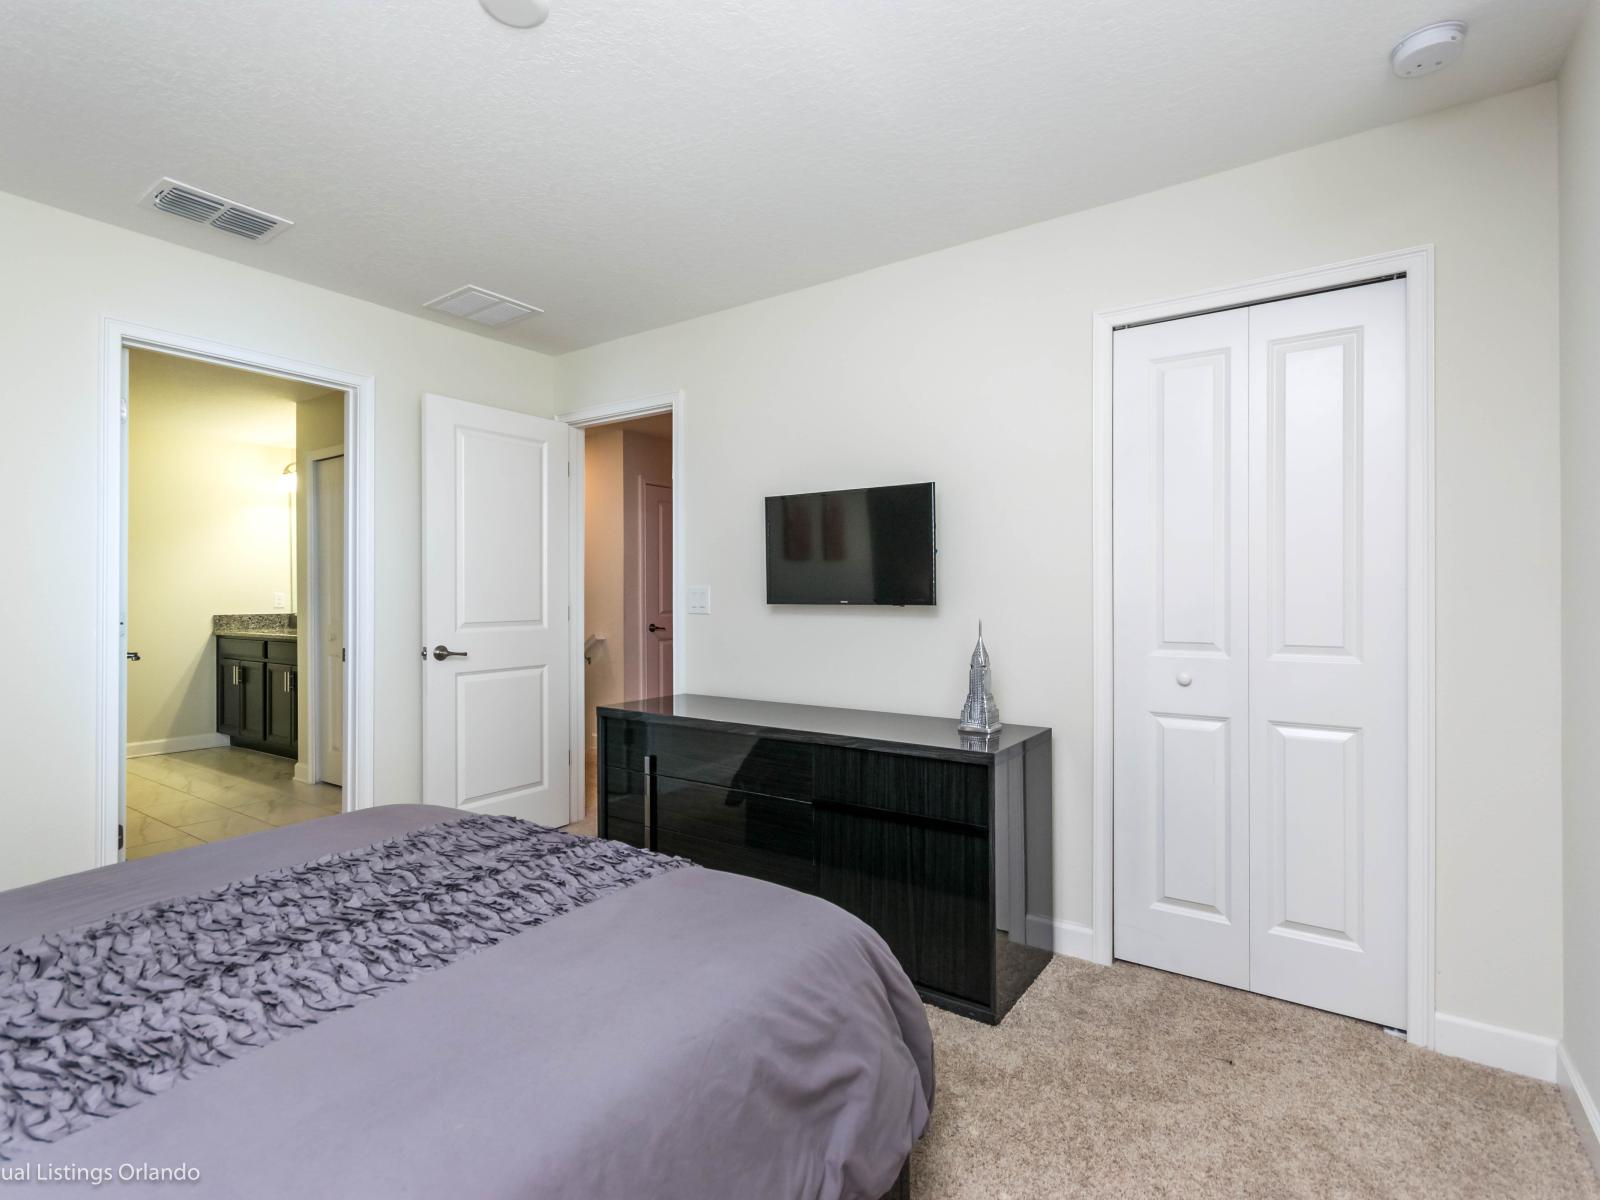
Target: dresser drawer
624, 798
771, 766
234, 647
713, 813
924, 787
626, 831
624, 742
927, 890
774, 866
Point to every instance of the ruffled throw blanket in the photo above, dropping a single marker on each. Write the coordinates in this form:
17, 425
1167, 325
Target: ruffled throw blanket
95, 1019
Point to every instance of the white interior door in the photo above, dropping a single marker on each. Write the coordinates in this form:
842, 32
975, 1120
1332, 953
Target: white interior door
496, 698
656, 590
1259, 570
328, 484
1328, 651
1180, 725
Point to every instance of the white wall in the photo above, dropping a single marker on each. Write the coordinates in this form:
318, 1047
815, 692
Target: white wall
602, 568
972, 367
1580, 548
65, 274
208, 528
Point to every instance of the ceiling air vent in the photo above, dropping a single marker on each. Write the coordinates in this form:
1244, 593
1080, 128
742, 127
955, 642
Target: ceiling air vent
483, 306
192, 204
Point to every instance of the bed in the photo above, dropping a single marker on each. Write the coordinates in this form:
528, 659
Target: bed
603, 1026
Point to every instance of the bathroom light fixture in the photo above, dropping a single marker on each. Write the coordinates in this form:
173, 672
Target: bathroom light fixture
1431, 48
291, 479
519, 14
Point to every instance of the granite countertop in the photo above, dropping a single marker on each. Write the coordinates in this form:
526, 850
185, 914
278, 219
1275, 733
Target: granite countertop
272, 627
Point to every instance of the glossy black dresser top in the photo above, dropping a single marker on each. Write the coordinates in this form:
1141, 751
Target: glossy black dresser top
935, 737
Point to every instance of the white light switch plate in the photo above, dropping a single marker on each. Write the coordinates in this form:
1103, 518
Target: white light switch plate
280, 600
699, 598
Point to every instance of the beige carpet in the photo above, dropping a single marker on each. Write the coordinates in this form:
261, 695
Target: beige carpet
1126, 1082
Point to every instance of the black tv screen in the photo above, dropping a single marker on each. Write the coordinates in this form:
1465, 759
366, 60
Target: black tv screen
867, 546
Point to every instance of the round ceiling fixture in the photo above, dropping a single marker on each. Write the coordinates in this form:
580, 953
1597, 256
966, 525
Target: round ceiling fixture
1431, 48
519, 14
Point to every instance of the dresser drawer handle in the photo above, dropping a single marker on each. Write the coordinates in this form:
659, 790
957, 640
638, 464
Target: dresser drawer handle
650, 801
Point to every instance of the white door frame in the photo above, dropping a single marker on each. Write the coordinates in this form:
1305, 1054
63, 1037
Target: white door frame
360, 409
312, 626
611, 414
1416, 264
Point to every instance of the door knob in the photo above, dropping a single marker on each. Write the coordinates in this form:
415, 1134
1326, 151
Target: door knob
133, 656
1185, 679
443, 652
654, 628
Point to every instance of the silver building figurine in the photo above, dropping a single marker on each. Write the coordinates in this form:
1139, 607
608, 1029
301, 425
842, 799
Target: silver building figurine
980, 714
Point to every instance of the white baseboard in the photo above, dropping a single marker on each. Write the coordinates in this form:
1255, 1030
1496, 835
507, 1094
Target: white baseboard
177, 745
302, 773
1495, 1046
1580, 1103
1063, 937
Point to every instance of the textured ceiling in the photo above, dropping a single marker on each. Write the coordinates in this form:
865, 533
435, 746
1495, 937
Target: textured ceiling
633, 162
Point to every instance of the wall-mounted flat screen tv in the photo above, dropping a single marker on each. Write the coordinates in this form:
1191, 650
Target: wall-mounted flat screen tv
867, 546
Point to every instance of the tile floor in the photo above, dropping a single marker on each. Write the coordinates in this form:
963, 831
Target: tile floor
178, 800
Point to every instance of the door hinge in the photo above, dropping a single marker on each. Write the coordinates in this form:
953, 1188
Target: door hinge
119, 836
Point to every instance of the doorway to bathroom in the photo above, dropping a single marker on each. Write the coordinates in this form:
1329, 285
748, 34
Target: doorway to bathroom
233, 696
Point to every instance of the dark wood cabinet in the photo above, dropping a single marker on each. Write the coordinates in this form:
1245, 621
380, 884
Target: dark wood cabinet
230, 697
257, 702
922, 833
282, 708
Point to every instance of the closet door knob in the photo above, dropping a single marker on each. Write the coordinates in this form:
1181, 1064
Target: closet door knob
440, 653
1185, 679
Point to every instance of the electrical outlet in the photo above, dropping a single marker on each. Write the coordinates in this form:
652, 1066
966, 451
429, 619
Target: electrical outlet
699, 598
280, 600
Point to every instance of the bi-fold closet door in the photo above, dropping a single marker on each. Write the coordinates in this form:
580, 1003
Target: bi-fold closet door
1259, 524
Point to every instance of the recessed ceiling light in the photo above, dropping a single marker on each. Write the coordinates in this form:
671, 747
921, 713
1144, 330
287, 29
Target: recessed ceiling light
520, 14
1431, 48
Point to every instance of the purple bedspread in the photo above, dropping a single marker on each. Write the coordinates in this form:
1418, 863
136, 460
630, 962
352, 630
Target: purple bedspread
695, 1034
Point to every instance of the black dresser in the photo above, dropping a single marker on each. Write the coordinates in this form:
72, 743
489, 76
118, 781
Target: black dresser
925, 834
